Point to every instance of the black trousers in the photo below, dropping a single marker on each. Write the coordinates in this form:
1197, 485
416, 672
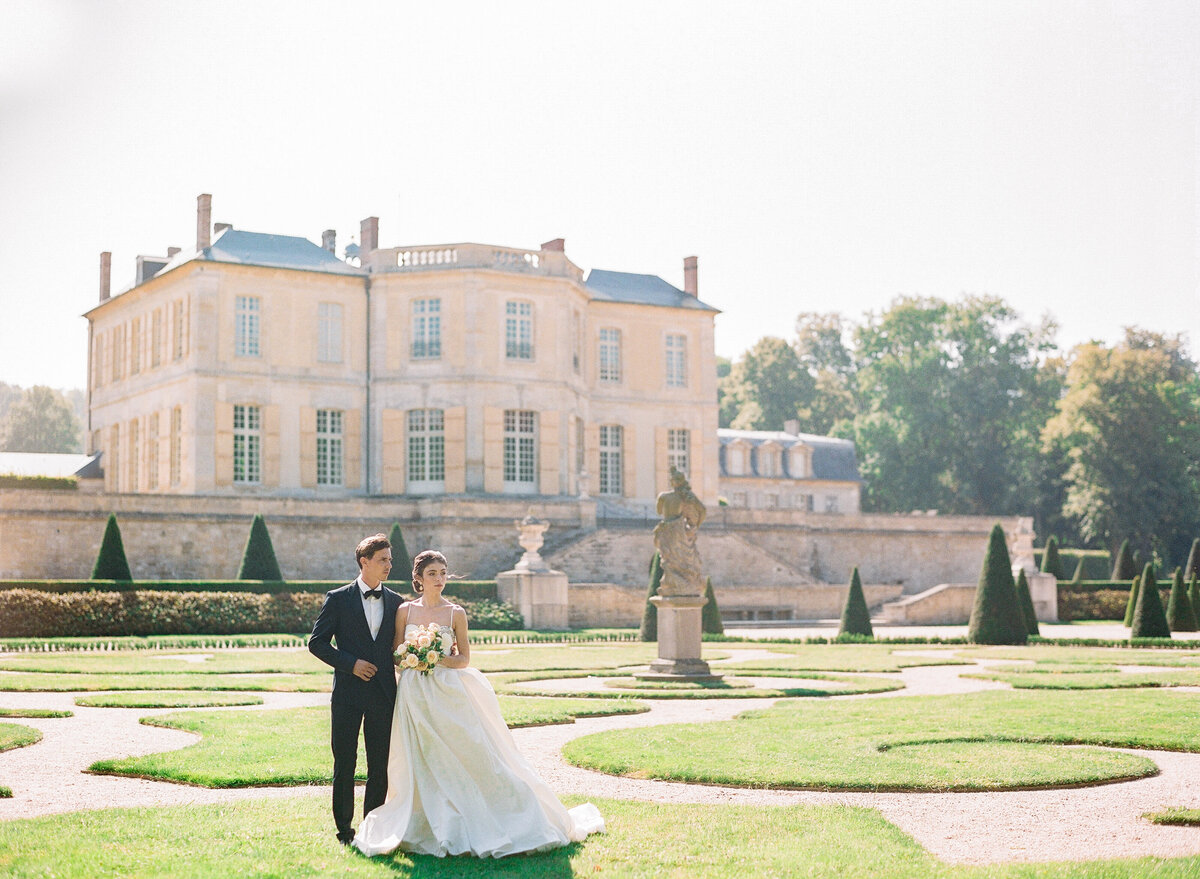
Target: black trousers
368, 710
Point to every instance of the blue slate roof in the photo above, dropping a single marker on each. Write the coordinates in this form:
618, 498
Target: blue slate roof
49, 464
641, 289
271, 251
831, 458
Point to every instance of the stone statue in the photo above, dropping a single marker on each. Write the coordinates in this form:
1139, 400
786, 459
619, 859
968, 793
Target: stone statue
675, 538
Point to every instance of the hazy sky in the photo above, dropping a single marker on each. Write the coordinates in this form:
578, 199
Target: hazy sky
817, 156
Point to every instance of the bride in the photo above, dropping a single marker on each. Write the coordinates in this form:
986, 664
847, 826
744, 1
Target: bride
456, 782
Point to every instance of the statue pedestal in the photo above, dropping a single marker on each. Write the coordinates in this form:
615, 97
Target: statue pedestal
539, 596
679, 641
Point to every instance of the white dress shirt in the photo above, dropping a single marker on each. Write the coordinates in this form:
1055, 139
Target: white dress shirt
372, 607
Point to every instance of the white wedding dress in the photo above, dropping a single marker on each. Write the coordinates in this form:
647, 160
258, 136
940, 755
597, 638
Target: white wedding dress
456, 782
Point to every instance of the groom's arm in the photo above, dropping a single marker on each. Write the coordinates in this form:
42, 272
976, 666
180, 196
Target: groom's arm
320, 643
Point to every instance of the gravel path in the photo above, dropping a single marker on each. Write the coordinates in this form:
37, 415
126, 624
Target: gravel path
1071, 824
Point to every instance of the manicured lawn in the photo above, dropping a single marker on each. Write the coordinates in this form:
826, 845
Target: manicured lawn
69, 683
607, 688
846, 657
1090, 655
167, 699
14, 735
294, 837
1180, 817
290, 661
1084, 678
516, 657
33, 712
291, 746
979, 741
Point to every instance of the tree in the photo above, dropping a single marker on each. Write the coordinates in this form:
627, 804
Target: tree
1131, 420
856, 618
111, 563
1149, 620
258, 558
1123, 567
1051, 562
1027, 609
996, 617
401, 560
1181, 615
710, 616
41, 421
952, 397
1131, 605
649, 628
822, 350
1194, 596
765, 388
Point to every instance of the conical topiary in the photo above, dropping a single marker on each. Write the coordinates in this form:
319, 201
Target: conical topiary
1181, 614
1149, 620
1051, 562
649, 629
1192, 568
1131, 604
258, 558
710, 616
1077, 577
401, 560
996, 617
110, 561
1194, 596
1026, 598
1124, 567
856, 618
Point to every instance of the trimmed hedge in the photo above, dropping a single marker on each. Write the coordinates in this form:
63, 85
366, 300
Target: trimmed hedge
465, 590
1106, 603
39, 483
29, 613
1097, 563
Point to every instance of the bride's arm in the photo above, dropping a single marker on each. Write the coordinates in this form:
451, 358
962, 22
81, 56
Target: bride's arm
458, 621
401, 622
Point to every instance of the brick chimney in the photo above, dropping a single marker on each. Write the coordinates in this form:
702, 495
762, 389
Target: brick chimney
329, 240
368, 235
105, 275
689, 275
558, 244
203, 221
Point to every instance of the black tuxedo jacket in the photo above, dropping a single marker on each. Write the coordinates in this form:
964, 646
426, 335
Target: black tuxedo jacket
340, 636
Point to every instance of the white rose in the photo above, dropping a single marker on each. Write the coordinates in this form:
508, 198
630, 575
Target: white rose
410, 661
424, 641
432, 657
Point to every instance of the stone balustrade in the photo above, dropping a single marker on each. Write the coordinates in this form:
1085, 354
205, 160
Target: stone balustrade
427, 257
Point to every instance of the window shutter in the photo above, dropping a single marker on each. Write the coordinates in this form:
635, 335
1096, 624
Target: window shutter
548, 457
493, 450
456, 449
270, 446
628, 461
223, 443
352, 448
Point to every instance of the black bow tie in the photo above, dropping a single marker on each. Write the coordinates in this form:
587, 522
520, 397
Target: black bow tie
373, 593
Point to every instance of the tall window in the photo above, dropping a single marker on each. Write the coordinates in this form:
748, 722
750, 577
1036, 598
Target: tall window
247, 444
329, 446
580, 442
176, 445
610, 459
831, 503
133, 455
518, 331
426, 329
520, 450
112, 456
676, 361
152, 453
576, 341
178, 330
246, 326
118, 354
677, 450
610, 355
329, 332
135, 346
426, 450
156, 337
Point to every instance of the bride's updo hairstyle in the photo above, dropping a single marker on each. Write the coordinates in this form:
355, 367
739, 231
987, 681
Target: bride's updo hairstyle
423, 560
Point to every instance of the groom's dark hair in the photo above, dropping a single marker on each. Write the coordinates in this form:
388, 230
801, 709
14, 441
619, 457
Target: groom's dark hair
368, 546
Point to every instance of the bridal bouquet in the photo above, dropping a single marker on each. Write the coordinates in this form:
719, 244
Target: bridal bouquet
422, 650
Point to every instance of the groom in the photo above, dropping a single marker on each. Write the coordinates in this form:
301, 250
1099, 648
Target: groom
361, 618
